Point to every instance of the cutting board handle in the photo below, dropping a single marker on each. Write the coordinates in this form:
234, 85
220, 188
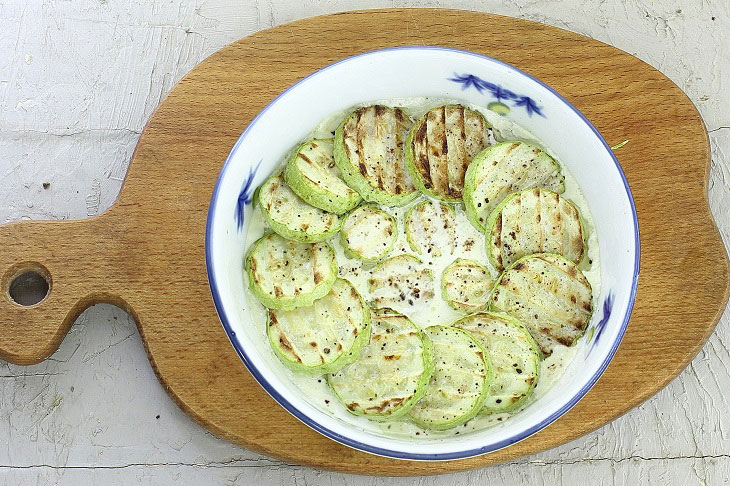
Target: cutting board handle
49, 261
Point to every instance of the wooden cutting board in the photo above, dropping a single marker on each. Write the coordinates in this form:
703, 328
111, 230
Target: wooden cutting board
146, 254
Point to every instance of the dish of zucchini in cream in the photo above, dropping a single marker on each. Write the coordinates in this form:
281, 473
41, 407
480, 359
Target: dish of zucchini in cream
425, 265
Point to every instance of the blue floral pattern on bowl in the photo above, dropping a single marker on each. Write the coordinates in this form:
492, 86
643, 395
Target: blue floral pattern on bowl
470, 80
597, 330
245, 196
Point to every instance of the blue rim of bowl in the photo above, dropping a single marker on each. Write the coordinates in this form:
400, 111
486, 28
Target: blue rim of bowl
379, 450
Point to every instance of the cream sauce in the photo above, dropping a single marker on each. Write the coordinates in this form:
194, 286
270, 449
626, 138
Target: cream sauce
470, 244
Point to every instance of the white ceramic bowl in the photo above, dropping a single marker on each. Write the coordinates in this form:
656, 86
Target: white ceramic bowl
444, 73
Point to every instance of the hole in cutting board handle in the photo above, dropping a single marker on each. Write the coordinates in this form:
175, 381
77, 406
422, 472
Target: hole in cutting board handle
27, 284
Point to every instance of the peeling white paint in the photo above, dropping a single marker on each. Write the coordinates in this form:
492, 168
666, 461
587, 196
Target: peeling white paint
78, 80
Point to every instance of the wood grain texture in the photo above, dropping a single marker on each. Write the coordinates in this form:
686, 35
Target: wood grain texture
146, 253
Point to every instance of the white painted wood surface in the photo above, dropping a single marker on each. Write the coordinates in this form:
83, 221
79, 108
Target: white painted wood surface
78, 80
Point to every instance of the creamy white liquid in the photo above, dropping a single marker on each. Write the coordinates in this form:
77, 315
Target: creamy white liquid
470, 244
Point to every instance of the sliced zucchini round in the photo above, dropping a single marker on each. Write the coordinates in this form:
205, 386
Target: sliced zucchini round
431, 228
370, 153
549, 295
466, 285
504, 168
401, 282
514, 355
368, 233
533, 221
325, 336
312, 174
391, 373
441, 145
460, 382
288, 215
285, 274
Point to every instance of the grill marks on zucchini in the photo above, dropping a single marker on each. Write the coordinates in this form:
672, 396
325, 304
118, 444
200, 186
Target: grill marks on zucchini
465, 285
368, 233
514, 355
369, 150
322, 337
460, 382
285, 274
534, 221
312, 174
549, 295
401, 282
440, 147
504, 168
390, 374
431, 228
288, 215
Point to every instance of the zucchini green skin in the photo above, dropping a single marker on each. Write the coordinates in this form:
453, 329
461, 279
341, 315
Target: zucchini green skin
460, 383
255, 197
273, 263
381, 234
401, 282
514, 356
396, 345
504, 168
424, 225
311, 173
462, 144
549, 295
297, 346
466, 285
289, 216
352, 171
557, 228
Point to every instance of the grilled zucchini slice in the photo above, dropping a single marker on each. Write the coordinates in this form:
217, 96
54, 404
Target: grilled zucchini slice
313, 176
441, 145
369, 150
466, 285
401, 282
391, 373
549, 295
533, 221
285, 274
368, 233
504, 168
431, 228
325, 336
514, 355
288, 215
460, 382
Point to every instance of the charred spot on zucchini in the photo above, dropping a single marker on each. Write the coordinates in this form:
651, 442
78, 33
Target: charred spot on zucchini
285, 274
441, 145
502, 169
514, 355
401, 282
369, 150
313, 175
368, 233
534, 221
460, 382
322, 337
289, 216
466, 285
391, 372
431, 228
549, 295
